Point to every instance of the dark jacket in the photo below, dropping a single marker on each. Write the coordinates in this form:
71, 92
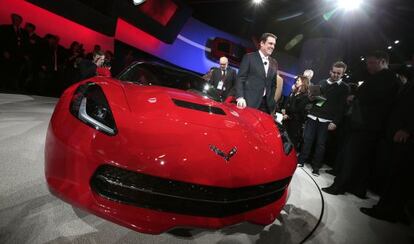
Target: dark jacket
87, 69
295, 106
229, 81
11, 40
376, 96
252, 81
334, 106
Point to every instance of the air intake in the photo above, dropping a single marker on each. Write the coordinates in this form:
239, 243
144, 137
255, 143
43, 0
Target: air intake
199, 107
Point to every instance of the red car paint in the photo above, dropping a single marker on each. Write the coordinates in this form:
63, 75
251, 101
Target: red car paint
158, 138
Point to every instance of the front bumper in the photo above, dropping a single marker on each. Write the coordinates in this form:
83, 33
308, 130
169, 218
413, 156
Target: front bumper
179, 197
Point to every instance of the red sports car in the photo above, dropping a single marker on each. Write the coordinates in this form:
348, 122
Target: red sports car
157, 149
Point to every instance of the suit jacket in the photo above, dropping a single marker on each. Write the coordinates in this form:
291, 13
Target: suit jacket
252, 81
228, 82
376, 96
87, 69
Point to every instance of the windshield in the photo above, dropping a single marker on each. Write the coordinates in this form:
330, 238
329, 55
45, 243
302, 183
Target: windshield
158, 75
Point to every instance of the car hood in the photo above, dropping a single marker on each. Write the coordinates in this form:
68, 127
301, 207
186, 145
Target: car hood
191, 142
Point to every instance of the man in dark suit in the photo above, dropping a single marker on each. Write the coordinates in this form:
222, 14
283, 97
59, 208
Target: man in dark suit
13, 37
256, 81
88, 68
224, 78
12, 40
400, 137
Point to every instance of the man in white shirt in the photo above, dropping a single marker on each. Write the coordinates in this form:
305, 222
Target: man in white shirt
327, 112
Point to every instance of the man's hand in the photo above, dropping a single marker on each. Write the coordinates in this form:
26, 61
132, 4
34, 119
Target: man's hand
401, 136
241, 103
332, 126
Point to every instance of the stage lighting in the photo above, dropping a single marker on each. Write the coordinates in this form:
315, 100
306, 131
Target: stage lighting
349, 4
396, 41
257, 2
137, 2
389, 47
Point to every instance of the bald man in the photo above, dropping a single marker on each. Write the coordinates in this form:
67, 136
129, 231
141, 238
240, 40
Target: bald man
224, 78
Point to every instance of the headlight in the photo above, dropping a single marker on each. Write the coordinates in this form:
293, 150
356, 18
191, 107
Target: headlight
287, 143
91, 107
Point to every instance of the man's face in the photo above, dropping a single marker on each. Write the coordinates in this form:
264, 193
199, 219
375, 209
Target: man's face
336, 73
99, 60
16, 20
29, 29
267, 47
374, 65
223, 63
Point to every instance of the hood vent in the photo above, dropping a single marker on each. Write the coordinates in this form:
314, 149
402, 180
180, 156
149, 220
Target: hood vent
199, 107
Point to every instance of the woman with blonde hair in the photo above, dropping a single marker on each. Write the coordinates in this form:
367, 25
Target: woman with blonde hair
294, 112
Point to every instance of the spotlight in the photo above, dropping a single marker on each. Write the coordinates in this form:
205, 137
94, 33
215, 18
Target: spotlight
137, 2
362, 58
389, 47
396, 41
349, 4
257, 2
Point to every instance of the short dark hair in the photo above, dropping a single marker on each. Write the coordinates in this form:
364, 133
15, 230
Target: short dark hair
340, 64
98, 53
305, 82
14, 15
379, 55
266, 35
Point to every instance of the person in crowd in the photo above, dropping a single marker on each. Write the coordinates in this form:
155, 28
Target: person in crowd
370, 108
309, 74
96, 48
88, 68
75, 56
400, 134
52, 60
294, 112
33, 38
339, 137
326, 114
13, 37
12, 42
223, 78
31, 57
207, 76
255, 85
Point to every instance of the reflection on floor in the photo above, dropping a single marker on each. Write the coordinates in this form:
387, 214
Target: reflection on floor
30, 214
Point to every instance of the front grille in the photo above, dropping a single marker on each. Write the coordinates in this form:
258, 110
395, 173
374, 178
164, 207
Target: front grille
180, 197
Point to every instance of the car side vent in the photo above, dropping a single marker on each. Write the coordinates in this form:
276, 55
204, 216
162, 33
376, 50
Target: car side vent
199, 107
